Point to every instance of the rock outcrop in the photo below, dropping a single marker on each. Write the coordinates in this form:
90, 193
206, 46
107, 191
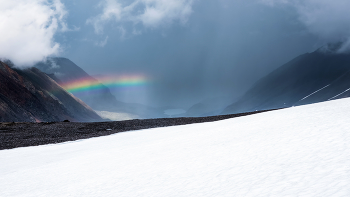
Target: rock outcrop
29, 95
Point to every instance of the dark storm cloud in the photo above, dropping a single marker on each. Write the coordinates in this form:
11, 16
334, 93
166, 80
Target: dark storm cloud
329, 20
221, 50
191, 50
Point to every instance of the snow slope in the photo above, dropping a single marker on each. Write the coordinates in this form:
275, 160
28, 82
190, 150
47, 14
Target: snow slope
300, 151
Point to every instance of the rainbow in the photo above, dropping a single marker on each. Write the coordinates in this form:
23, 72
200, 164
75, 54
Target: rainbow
92, 84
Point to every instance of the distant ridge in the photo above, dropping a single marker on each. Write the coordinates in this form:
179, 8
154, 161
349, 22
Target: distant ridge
310, 78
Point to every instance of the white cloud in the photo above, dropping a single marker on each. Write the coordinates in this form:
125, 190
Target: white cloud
330, 20
149, 13
28, 28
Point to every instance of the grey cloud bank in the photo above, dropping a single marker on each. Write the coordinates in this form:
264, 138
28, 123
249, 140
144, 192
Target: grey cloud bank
150, 13
192, 49
329, 20
222, 49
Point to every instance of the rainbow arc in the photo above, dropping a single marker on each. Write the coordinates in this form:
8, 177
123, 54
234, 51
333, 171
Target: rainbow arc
90, 84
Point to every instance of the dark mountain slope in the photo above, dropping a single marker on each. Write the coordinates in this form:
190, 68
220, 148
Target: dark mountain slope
339, 88
295, 82
31, 96
63, 71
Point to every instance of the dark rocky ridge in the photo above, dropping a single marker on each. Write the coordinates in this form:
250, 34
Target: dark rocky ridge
13, 135
30, 95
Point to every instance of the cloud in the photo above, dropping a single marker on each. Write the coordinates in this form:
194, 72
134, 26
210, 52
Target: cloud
102, 43
28, 28
329, 20
149, 13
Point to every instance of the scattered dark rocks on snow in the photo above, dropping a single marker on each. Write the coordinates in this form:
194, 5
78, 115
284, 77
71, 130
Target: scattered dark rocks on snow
13, 135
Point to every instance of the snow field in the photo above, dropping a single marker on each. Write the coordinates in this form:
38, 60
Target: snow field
300, 151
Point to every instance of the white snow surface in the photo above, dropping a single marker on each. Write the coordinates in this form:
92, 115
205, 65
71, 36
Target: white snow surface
300, 151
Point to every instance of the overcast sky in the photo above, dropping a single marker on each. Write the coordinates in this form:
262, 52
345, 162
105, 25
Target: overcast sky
189, 49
